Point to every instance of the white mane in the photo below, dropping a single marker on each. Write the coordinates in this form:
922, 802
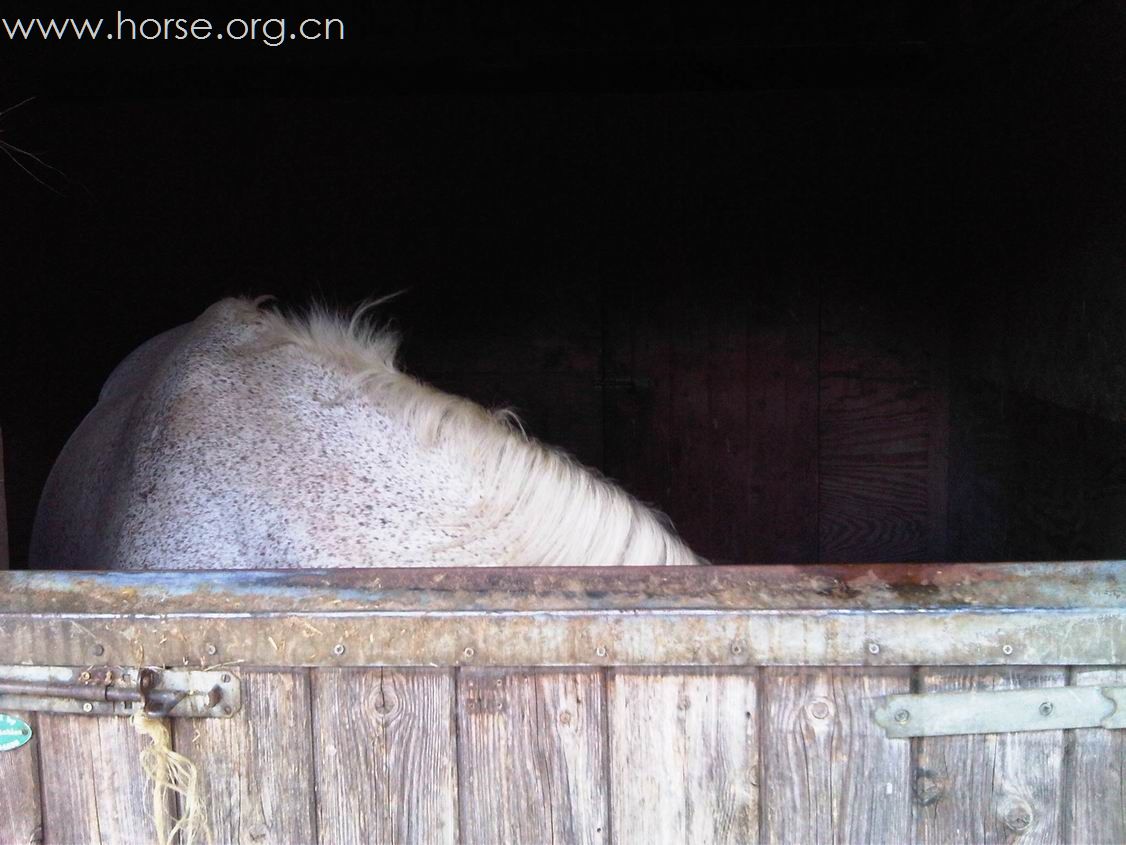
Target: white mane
543, 507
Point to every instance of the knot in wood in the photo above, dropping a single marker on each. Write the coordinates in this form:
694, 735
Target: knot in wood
929, 787
1018, 817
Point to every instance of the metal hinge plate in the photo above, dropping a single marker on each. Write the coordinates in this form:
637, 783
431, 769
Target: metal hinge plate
120, 691
1002, 711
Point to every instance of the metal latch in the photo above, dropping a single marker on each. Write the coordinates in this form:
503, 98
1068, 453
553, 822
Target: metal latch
120, 691
1002, 711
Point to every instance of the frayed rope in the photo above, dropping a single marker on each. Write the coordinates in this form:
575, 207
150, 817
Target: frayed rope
172, 774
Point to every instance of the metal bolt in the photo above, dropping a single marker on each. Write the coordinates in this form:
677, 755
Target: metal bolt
85, 676
87, 707
600, 651
226, 679
1006, 649
1046, 708
99, 649
819, 709
902, 716
469, 652
338, 649
211, 649
874, 648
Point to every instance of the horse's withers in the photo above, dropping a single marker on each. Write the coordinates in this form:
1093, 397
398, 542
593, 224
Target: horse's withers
246, 440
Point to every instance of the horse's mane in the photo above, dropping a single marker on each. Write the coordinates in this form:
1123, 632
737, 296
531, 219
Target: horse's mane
537, 503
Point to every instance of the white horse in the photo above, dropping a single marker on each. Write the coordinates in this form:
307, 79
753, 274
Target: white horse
248, 439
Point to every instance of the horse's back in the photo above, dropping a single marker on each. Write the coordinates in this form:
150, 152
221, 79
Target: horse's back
212, 447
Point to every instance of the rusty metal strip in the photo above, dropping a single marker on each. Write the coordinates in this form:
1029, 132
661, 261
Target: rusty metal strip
1094, 584
574, 638
927, 614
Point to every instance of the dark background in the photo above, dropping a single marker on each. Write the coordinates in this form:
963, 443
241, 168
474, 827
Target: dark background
821, 281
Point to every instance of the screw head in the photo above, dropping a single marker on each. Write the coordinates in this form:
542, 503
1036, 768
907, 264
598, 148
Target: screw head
1046, 708
874, 648
85, 676
211, 649
99, 649
819, 709
87, 707
1006, 649
469, 652
902, 716
226, 679
736, 648
338, 649
600, 651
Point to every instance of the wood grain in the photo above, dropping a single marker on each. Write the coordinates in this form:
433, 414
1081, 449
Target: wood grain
782, 402
683, 757
386, 755
93, 788
21, 819
883, 420
257, 767
829, 774
1096, 790
531, 756
989, 787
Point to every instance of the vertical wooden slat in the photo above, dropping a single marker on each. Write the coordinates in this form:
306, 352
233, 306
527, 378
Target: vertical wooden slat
1096, 813
989, 787
883, 423
782, 401
727, 431
829, 772
21, 821
386, 755
257, 767
94, 790
683, 756
531, 756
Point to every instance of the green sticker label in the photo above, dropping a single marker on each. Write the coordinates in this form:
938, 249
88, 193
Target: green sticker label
13, 732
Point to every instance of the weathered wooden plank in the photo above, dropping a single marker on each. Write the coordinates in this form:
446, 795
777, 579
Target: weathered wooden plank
531, 756
257, 767
828, 772
683, 756
1096, 791
386, 755
566, 638
989, 787
94, 790
21, 820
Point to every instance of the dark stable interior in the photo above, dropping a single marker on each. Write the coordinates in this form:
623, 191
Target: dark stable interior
820, 285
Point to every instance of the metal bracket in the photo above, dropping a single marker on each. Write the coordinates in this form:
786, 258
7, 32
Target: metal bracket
1002, 711
120, 691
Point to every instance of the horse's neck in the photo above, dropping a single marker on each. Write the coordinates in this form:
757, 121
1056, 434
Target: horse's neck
244, 450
